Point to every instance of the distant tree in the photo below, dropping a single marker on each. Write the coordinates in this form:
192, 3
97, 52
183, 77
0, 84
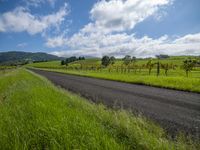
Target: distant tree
127, 59
134, 59
62, 62
72, 59
188, 65
112, 60
105, 61
81, 58
162, 56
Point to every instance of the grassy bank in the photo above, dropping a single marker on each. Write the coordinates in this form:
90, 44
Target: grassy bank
34, 114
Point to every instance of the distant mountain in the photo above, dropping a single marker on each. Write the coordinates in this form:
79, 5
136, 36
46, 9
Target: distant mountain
15, 57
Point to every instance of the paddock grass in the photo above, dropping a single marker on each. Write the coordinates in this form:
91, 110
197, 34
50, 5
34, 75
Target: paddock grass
176, 60
34, 114
175, 79
191, 84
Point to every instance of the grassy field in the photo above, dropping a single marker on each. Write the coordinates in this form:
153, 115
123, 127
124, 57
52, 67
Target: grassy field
34, 114
176, 78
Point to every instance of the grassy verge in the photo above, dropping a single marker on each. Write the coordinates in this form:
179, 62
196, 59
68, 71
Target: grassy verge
178, 83
34, 114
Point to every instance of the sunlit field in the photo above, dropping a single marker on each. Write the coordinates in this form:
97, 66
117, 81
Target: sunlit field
175, 78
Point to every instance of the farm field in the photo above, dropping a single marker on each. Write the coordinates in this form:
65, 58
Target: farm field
99, 75
175, 79
34, 114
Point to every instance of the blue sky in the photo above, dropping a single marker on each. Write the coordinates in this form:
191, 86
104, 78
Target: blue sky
143, 28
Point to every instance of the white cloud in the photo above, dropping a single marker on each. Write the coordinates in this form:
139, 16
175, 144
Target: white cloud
106, 34
37, 3
20, 19
58, 41
123, 44
22, 44
190, 38
122, 15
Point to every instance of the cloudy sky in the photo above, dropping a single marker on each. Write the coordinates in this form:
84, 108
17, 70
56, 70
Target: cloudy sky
141, 28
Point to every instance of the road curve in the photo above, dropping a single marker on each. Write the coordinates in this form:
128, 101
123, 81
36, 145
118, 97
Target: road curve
174, 110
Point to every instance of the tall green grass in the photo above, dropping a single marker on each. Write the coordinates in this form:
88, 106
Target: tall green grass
34, 114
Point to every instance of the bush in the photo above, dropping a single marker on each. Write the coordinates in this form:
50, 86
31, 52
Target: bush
106, 60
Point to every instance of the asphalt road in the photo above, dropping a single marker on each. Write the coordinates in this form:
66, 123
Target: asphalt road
174, 110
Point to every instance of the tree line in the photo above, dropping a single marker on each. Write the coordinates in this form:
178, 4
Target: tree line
71, 59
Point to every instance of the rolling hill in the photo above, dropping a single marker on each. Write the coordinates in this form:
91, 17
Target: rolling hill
16, 57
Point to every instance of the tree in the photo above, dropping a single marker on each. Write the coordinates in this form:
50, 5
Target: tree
105, 61
62, 62
162, 56
127, 59
71, 59
188, 65
81, 58
134, 59
112, 60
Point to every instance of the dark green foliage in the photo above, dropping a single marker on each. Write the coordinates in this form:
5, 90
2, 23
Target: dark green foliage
62, 62
161, 56
134, 59
127, 59
81, 58
112, 60
105, 61
71, 59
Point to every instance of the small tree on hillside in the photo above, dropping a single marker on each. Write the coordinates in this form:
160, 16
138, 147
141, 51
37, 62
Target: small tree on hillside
188, 65
127, 59
162, 56
133, 59
62, 62
105, 61
81, 58
112, 60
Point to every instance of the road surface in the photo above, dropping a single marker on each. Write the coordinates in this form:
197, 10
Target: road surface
174, 110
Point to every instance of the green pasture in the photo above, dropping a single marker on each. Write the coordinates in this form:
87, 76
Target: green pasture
34, 114
175, 79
